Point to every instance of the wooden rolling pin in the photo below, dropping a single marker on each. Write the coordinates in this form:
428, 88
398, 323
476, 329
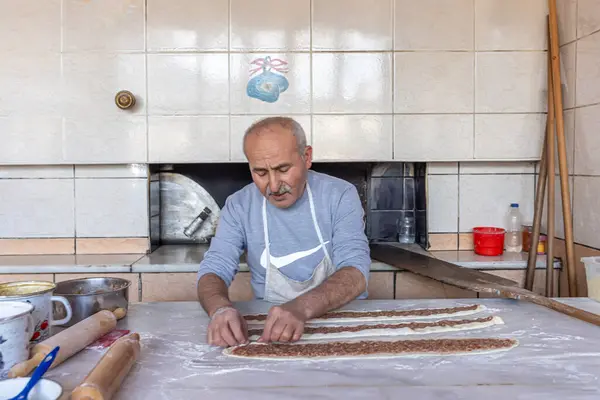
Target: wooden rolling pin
108, 375
71, 341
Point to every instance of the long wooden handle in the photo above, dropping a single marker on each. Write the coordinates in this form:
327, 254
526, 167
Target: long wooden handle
562, 152
445, 272
562, 308
71, 341
537, 220
108, 375
550, 140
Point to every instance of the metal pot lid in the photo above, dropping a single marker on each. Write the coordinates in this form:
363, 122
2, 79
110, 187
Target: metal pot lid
10, 310
25, 289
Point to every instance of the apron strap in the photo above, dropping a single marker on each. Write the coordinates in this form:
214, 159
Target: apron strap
314, 218
266, 232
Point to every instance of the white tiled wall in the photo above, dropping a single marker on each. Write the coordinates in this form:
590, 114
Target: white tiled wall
483, 191
434, 25
428, 80
180, 139
189, 63
36, 208
463, 196
582, 121
187, 25
436, 134
588, 17
499, 24
473, 193
83, 201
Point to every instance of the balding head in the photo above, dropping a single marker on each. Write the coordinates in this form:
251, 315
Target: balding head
279, 159
288, 125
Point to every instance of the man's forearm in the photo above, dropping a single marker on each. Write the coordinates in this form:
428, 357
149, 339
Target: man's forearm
340, 288
212, 293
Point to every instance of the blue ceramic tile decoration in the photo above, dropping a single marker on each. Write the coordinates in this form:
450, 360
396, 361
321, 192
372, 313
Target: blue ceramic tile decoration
270, 82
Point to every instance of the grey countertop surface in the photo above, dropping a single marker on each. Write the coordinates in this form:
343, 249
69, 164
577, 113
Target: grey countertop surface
557, 357
186, 258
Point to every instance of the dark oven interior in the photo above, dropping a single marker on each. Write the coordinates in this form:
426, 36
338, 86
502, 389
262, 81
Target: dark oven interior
392, 194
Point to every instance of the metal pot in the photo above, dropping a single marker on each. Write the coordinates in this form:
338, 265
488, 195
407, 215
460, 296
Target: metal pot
87, 296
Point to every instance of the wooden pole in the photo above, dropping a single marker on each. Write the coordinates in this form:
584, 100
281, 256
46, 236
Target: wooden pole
537, 218
551, 185
469, 279
562, 151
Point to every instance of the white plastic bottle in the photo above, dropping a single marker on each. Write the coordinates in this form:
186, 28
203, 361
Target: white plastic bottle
513, 240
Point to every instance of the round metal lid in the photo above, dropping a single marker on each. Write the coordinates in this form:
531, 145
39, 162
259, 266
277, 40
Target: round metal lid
25, 289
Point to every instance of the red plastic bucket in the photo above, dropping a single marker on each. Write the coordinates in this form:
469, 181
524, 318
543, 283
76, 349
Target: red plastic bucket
488, 241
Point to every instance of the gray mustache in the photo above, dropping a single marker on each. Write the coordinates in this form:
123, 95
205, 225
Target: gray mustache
283, 189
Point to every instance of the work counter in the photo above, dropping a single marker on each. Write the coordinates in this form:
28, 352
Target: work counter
557, 357
169, 273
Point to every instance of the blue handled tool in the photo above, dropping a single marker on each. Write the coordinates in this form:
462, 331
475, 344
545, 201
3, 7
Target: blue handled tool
37, 374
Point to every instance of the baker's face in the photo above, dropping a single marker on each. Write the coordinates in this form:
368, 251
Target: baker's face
278, 169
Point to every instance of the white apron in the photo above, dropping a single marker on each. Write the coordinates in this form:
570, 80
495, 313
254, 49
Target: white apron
278, 287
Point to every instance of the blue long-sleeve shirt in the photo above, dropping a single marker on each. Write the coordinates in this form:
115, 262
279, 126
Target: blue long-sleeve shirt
339, 215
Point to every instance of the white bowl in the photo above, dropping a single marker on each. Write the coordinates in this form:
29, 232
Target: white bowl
44, 390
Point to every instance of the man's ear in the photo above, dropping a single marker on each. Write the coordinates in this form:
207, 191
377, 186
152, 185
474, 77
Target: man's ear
308, 157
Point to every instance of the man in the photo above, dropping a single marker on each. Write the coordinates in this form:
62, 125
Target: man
304, 236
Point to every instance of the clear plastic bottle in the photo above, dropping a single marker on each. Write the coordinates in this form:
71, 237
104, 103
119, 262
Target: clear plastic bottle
406, 230
513, 241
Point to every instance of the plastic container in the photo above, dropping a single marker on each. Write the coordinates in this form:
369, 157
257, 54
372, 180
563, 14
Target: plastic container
45, 389
527, 232
514, 236
406, 230
541, 249
592, 273
488, 241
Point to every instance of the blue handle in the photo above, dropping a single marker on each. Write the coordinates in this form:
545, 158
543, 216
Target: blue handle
37, 374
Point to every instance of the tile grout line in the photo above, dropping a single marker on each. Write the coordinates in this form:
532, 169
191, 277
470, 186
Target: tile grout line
311, 73
228, 75
572, 178
474, 75
304, 51
575, 106
393, 74
74, 212
147, 106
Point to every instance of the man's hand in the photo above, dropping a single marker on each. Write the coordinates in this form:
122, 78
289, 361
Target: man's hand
227, 328
285, 323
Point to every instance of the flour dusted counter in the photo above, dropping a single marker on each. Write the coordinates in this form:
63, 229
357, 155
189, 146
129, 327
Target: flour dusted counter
557, 357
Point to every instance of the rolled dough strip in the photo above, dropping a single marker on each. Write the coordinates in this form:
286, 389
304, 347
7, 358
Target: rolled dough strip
381, 315
369, 349
413, 328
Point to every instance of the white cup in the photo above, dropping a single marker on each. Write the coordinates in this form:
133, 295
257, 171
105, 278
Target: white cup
16, 328
39, 295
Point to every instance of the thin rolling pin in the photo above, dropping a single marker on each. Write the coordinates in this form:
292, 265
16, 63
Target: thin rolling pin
71, 341
108, 375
